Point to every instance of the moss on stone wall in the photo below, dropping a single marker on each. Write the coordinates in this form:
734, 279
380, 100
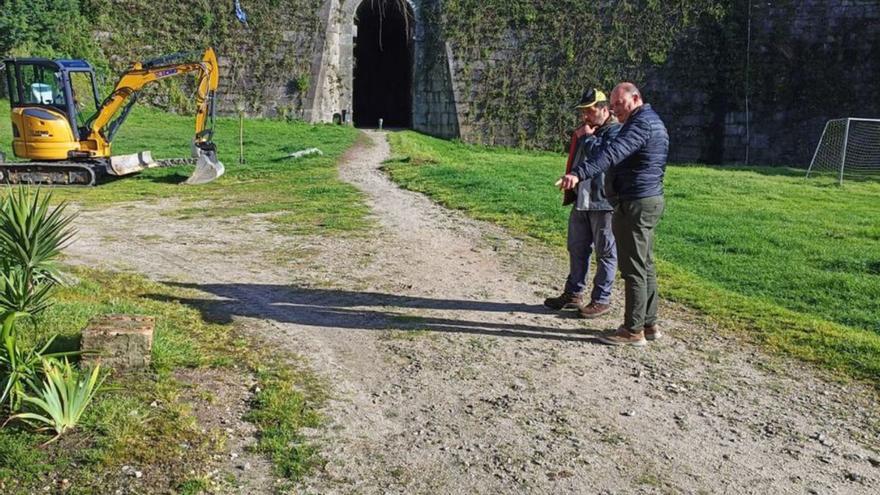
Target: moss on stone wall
262, 61
523, 64
263, 64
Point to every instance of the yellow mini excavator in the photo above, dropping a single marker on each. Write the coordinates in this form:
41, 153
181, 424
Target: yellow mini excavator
59, 126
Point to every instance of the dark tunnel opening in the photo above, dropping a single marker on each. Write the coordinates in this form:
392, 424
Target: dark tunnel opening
383, 63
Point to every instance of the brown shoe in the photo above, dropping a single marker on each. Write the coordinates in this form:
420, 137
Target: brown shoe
652, 332
566, 300
594, 310
622, 336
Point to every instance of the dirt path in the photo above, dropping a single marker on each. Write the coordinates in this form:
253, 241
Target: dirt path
448, 377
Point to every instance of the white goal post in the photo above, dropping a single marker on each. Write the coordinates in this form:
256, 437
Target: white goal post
848, 147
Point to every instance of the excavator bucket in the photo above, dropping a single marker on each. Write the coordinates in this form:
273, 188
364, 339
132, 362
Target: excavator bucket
208, 167
128, 164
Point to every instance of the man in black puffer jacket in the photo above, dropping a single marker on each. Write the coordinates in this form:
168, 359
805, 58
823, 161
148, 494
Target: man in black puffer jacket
635, 162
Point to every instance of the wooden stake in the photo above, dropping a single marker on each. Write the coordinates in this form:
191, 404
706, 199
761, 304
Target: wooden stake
241, 137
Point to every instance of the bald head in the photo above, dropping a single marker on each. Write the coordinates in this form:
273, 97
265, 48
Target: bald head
625, 98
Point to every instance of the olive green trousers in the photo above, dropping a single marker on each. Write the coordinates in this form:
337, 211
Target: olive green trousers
633, 224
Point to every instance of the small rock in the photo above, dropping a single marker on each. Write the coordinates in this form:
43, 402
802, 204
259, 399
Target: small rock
628, 413
874, 461
854, 477
138, 474
233, 455
245, 467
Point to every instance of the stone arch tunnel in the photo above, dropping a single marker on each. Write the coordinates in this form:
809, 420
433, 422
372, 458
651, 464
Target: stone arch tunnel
383, 59
383, 64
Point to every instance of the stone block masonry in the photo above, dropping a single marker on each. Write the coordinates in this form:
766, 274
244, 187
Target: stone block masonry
121, 342
808, 61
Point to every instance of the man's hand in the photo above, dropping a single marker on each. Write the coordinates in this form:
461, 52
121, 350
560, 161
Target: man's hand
569, 181
586, 130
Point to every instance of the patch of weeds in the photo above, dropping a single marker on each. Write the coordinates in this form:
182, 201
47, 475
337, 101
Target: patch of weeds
612, 438
649, 479
713, 356
466, 373
398, 472
403, 319
22, 461
481, 344
405, 334
194, 486
288, 401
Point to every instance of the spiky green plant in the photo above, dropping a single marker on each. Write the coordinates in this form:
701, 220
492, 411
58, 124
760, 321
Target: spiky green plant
19, 366
32, 235
62, 398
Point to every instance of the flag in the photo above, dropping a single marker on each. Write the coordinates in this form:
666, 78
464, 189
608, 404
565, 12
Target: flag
240, 13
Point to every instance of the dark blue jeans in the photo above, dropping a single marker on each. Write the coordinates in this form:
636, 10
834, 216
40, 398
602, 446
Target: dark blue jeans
588, 231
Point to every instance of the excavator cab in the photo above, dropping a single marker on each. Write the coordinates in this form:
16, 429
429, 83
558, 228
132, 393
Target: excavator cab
51, 100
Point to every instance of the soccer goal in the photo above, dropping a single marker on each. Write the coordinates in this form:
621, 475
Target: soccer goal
848, 147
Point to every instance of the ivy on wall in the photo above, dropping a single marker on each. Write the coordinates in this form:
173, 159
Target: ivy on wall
570, 45
264, 63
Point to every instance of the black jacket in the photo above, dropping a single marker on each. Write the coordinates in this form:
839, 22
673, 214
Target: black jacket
635, 159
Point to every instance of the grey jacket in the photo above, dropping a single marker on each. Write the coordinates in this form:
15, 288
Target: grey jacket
591, 194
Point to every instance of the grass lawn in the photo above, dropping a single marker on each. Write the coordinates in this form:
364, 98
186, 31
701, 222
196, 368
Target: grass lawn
302, 195
795, 261
146, 421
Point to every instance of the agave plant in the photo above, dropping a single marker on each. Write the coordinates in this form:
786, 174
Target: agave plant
32, 235
18, 366
63, 397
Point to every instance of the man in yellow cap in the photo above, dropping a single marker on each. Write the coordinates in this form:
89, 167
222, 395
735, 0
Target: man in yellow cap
589, 224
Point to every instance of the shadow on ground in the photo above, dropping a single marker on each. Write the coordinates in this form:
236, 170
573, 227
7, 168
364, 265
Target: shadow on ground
328, 308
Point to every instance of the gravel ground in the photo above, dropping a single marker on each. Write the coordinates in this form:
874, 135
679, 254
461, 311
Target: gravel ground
449, 377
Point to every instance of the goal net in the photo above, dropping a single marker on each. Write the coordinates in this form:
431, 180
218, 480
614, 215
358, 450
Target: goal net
848, 147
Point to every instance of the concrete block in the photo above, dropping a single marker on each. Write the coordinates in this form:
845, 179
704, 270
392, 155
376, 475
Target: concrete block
119, 341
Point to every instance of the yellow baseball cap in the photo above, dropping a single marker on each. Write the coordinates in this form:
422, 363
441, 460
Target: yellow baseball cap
590, 98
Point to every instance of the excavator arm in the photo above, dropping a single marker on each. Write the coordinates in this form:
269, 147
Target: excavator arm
103, 126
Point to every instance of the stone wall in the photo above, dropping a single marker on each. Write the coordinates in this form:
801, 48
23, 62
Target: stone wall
809, 61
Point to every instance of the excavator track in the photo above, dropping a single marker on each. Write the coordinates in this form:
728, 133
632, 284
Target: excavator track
66, 173
51, 173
